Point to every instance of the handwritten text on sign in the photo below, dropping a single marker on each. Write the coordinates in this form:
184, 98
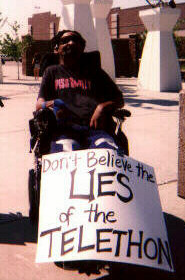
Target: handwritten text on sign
96, 204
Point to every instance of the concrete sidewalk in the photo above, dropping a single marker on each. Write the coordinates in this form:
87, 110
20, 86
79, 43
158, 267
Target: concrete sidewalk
152, 131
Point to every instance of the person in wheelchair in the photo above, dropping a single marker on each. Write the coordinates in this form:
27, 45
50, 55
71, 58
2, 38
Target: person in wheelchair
82, 98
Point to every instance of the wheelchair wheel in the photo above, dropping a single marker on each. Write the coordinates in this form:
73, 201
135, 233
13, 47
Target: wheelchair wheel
122, 141
33, 192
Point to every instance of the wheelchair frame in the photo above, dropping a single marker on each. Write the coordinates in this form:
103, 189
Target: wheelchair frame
42, 127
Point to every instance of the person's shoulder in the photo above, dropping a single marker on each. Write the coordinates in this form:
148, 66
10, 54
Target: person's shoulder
54, 68
101, 74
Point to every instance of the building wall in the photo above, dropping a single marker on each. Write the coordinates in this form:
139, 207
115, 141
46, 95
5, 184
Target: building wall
125, 26
128, 22
42, 47
182, 17
43, 26
126, 56
125, 22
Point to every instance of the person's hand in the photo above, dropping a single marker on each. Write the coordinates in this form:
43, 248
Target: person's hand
98, 118
58, 103
60, 110
63, 114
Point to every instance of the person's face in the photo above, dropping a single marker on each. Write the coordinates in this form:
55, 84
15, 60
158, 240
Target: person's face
70, 45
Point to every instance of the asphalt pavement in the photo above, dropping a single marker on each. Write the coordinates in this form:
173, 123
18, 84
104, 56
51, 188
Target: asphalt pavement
152, 131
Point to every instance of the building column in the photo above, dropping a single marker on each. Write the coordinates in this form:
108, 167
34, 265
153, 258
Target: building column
100, 10
159, 67
76, 15
181, 152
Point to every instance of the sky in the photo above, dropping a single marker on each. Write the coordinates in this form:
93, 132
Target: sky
20, 10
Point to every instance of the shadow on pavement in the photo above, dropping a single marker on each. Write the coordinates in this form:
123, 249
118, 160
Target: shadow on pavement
126, 85
127, 88
16, 229
20, 83
176, 237
4, 98
117, 271
136, 102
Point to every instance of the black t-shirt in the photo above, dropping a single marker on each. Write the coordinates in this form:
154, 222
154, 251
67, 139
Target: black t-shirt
81, 92
36, 61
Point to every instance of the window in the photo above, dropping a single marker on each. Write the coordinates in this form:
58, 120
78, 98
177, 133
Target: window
30, 29
52, 30
115, 25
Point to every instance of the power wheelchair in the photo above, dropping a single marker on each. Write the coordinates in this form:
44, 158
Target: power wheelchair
42, 128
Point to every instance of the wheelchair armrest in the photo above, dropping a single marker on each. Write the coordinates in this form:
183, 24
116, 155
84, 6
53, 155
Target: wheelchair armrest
121, 114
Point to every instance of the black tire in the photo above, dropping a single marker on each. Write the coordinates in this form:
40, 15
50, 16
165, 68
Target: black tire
33, 197
122, 142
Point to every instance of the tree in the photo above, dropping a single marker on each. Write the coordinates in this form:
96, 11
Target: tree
13, 47
179, 41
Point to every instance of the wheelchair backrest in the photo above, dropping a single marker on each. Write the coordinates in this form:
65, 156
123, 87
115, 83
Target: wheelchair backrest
90, 61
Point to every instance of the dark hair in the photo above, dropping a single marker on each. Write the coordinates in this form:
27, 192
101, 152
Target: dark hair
56, 39
37, 55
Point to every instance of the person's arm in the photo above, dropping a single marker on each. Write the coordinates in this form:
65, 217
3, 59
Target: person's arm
47, 92
42, 104
97, 119
111, 98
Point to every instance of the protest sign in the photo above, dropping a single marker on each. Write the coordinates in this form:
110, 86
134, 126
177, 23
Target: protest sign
98, 205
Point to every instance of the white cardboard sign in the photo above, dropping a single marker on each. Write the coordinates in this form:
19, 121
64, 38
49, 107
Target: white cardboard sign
98, 205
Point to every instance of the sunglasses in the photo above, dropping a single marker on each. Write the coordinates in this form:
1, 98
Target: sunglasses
67, 39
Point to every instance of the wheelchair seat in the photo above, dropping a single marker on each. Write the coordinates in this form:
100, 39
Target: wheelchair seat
43, 127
